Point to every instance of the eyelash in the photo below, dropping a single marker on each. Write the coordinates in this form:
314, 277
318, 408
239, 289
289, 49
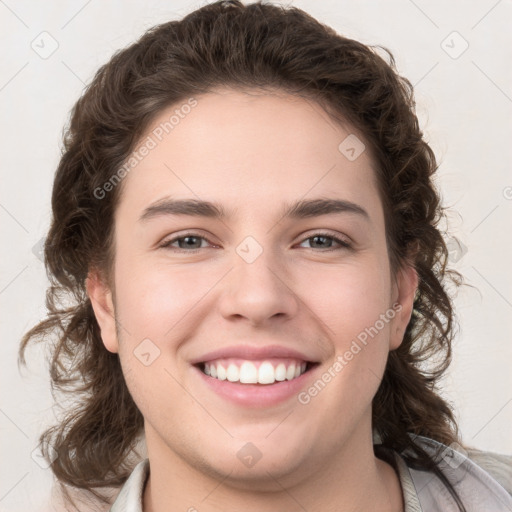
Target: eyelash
167, 245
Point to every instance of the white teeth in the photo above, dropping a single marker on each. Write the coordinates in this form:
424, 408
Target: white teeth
266, 373
233, 373
281, 372
249, 373
221, 372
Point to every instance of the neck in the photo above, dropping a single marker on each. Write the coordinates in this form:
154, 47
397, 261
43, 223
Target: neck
351, 479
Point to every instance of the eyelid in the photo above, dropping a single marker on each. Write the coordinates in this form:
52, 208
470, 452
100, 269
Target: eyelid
165, 244
344, 241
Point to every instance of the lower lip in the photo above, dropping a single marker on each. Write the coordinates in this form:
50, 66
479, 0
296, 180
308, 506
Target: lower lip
257, 395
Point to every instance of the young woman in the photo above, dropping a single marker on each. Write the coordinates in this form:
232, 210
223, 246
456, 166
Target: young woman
245, 219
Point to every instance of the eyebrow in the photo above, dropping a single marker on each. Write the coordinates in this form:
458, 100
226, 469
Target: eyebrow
299, 210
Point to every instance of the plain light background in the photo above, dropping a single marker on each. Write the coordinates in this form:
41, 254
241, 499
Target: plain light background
457, 54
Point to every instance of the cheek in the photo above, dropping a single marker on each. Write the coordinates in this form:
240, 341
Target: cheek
350, 298
153, 300
360, 347
357, 312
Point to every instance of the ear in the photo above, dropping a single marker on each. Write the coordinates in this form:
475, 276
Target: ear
403, 294
101, 299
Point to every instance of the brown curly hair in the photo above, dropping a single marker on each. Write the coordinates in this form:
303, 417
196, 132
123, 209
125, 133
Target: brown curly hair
261, 46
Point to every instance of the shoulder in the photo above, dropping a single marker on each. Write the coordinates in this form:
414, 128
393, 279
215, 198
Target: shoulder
499, 466
481, 479
130, 497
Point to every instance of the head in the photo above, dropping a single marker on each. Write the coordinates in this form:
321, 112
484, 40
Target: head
245, 176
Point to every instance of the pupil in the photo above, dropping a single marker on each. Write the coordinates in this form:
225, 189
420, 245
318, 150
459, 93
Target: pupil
189, 241
318, 237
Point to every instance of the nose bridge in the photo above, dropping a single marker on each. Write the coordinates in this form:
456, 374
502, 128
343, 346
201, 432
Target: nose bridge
256, 266
257, 289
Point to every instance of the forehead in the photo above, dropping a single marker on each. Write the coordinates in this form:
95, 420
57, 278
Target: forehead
250, 150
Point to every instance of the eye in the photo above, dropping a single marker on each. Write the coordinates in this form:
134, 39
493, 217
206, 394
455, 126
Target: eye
325, 241
189, 242
192, 242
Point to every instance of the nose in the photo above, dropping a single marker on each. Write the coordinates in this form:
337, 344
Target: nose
259, 291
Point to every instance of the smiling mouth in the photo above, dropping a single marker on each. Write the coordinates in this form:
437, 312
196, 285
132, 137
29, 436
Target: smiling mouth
265, 371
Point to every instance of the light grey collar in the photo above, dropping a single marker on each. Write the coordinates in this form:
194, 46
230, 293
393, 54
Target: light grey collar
422, 490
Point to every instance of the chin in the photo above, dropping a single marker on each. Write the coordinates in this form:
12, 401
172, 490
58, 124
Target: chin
256, 464
262, 477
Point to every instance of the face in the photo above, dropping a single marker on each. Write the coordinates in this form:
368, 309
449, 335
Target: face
253, 330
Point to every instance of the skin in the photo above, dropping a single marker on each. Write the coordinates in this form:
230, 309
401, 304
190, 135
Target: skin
253, 152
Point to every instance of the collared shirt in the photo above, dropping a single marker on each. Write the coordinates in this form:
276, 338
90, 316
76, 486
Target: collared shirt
422, 491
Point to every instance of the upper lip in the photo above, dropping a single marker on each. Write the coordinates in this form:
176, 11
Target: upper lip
252, 353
